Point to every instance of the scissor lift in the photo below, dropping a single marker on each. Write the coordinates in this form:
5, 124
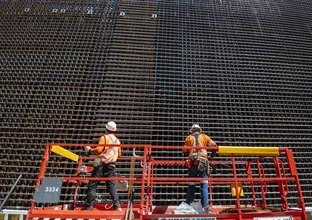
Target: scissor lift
145, 209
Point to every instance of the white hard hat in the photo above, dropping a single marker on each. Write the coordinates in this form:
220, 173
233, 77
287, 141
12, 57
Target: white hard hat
194, 126
111, 126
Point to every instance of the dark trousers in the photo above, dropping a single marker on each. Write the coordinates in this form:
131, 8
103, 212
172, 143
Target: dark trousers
190, 194
105, 170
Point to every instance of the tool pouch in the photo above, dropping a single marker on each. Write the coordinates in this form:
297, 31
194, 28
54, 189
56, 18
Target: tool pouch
97, 162
203, 164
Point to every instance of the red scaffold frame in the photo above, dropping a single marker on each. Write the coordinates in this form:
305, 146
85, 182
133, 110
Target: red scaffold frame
146, 210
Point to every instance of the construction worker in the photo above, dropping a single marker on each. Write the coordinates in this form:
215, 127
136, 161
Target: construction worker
104, 166
197, 163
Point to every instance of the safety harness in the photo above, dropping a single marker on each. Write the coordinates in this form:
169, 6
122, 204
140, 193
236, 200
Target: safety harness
110, 156
200, 157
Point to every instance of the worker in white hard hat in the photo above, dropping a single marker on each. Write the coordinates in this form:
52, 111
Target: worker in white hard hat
104, 165
197, 163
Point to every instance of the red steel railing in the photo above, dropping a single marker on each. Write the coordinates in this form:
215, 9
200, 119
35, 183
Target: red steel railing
148, 180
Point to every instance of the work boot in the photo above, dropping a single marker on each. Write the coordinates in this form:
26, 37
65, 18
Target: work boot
117, 208
206, 210
88, 207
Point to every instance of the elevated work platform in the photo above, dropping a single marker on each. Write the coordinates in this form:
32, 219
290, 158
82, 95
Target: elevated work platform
144, 184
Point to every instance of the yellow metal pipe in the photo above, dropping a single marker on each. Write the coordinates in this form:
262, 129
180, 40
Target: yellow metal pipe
248, 151
65, 153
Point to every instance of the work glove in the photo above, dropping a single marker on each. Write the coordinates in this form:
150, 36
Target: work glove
213, 169
87, 148
188, 163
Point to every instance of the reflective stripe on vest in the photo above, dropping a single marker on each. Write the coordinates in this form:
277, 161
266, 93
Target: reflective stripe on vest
111, 155
195, 152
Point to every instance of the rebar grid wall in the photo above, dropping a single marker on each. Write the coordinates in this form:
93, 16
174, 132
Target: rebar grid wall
239, 68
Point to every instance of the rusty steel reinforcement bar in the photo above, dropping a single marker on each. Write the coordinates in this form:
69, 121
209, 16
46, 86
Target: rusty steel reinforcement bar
10, 192
242, 71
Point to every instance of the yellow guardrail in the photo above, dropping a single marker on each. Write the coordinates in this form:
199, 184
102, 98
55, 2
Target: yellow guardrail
65, 153
248, 151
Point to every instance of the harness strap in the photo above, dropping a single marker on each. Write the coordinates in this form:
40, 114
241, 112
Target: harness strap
112, 148
113, 141
196, 143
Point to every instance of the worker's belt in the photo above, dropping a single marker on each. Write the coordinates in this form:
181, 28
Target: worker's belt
197, 155
98, 162
113, 164
202, 162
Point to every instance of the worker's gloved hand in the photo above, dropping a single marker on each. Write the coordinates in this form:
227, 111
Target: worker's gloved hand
213, 169
87, 148
188, 163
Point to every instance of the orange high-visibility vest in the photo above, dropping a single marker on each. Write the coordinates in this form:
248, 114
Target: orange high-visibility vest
111, 153
199, 140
